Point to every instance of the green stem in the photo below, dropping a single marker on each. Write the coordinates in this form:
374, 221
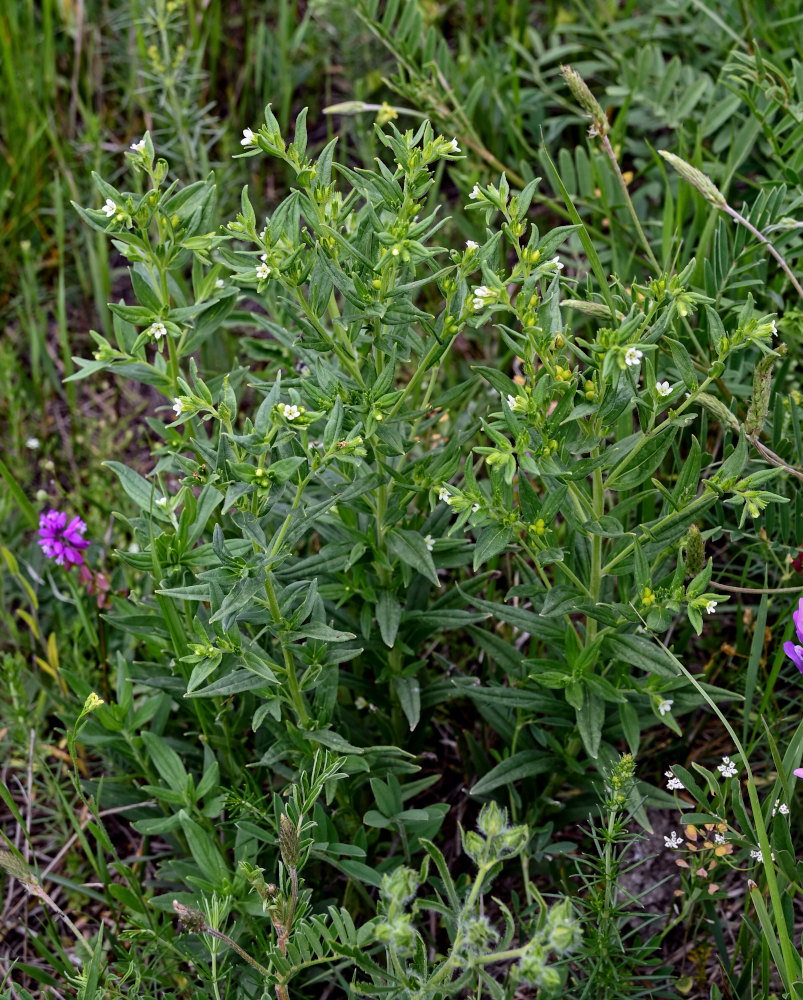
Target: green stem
290, 668
598, 503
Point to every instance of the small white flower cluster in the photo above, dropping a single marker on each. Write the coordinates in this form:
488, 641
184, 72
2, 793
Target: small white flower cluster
220, 283
482, 295
32, 443
262, 269
512, 402
663, 388
674, 784
727, 768
552, 265
633, 357
719, 838
673, 842
665, 706
448, 146
289, 411
757, 855
444, 495
780, 807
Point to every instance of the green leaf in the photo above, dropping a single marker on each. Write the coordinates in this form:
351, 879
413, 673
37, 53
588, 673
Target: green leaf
204, 850
408, 691
590, 720
524, 764
143, 493
167, 762
640, 652
411, 548
388, 616
490, 543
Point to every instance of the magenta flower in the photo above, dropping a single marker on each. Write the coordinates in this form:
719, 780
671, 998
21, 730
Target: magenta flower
799, 772
61, 541
794, 650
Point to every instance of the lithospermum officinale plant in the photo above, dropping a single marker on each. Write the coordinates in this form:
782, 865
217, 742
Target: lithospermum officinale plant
299, 571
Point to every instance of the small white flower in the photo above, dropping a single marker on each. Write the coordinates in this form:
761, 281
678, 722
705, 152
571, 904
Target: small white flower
451, 147
248, 138
157, 330
429, 541
756, 855
663, 388
162, 501
289, 411
471, 245
444, 495
710, 607
263, 271
773, 329
263, 256
138, 147
665, 706
110, 208
727, 768
264, 233
474, 508
178, 406
673, 783
780, 807
484, 292
719, 838
32, 443
555, 262
673, 841
511, 402
633, 356
220, 283
394, 252
475, 192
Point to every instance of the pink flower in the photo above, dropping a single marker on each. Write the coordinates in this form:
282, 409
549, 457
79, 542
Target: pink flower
794, 650
61, 541
798, 772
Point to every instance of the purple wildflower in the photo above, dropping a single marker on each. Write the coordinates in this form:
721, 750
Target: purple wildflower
794, 650
61, 541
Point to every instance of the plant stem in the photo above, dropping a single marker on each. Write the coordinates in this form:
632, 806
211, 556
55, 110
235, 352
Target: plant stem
606, 145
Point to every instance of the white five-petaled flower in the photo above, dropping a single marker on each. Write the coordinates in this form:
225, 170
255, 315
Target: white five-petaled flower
663, 388
475, 192
444, 495
248, 138
673, 841
263, 271
555, 262
32, 443
727, 768
110, 208
138, 147
289, 411
162, 501
633, 356
178, 406
780, 807
429, 541
665, 706
219, 283
710, 607
157, 330
673, 783
471, 245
